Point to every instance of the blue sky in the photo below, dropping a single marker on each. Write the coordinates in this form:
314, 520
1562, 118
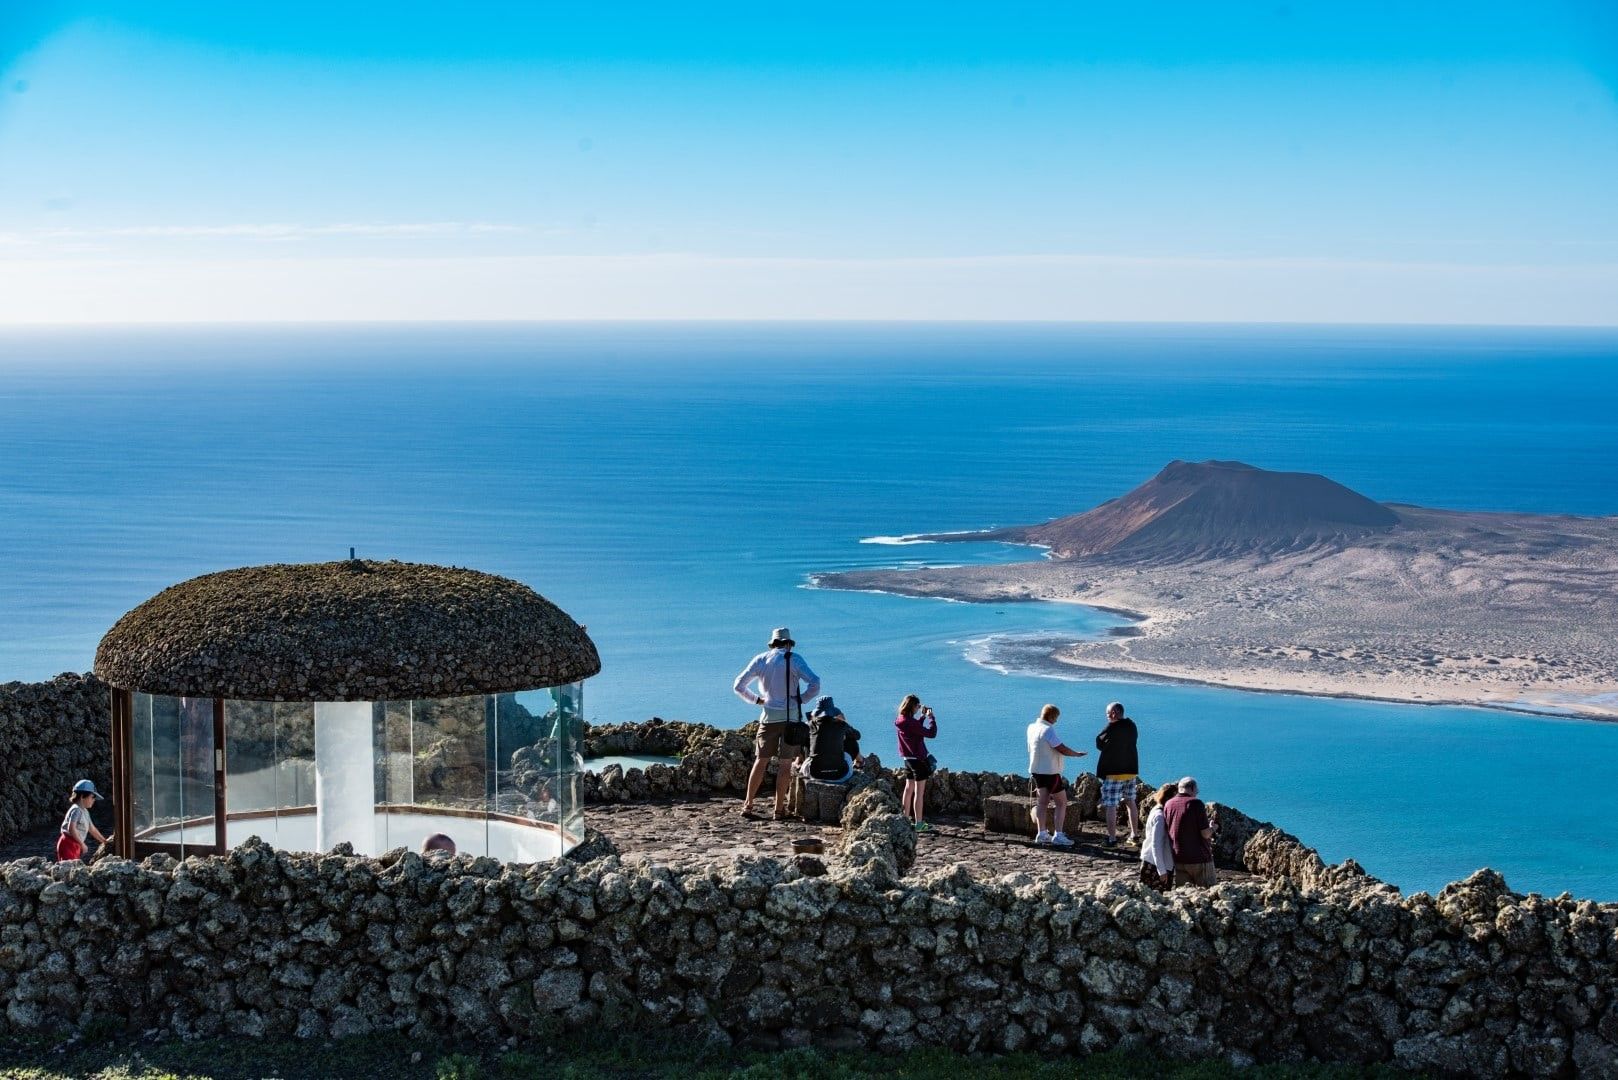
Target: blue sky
1285, 161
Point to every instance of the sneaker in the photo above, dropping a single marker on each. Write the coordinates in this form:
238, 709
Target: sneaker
1111, 841
1062, 839
922, 826
1044, 837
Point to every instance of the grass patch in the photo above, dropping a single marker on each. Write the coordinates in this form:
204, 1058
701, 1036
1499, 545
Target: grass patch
577, 1057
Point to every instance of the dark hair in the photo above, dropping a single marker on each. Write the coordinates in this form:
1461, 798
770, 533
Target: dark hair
908, 706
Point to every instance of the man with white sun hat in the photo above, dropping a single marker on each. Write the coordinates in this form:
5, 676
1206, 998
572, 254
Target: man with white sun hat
771, 680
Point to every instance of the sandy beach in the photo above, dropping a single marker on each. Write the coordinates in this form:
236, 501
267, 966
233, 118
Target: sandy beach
1511, 611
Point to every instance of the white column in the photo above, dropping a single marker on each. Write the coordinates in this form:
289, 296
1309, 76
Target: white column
345, 781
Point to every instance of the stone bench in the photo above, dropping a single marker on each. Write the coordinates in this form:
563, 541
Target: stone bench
1013, 814
823, 803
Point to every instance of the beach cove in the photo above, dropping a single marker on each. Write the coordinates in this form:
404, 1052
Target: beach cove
678, 511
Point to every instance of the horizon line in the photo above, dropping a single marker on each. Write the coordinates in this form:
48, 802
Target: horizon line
110, 324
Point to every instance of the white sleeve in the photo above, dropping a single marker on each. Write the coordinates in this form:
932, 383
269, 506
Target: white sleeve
1157, 838
1050, 737
801, 670
749, 673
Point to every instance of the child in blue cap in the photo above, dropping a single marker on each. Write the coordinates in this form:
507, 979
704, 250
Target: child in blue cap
77, 824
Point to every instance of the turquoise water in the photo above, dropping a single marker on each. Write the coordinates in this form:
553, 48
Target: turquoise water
675, 486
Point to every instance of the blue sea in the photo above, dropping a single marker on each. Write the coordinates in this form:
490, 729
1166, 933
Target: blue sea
674, 487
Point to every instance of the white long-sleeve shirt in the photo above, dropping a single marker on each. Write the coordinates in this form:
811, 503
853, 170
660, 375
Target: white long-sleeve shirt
1154, 844
769, 671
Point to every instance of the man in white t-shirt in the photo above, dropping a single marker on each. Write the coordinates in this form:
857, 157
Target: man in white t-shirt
1045, 753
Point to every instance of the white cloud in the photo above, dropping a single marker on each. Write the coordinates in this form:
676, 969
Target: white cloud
358, 230
1070, 287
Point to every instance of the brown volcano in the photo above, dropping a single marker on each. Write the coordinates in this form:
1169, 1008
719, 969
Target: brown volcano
1289, 582
1208, 509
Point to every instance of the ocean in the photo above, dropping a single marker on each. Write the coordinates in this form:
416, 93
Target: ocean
674, 487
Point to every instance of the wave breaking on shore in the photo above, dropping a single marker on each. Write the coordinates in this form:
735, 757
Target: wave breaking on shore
1028, 654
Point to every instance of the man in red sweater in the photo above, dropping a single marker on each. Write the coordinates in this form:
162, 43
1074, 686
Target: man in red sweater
1191, 836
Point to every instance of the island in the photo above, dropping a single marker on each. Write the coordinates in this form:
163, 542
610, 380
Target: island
1236, 576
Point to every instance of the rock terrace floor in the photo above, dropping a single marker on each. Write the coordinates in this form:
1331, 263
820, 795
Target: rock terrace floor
691, 833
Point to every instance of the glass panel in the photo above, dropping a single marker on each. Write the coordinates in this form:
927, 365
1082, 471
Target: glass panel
195, 774
250, 771
569, 733
450, 742
295, 774
491, 742
143, 784
525, 758
161, 808
395, 770
345, 775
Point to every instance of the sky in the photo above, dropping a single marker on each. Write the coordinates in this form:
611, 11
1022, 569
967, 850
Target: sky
1278, 162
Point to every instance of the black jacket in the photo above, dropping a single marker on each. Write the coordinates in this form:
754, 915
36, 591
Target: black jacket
829, 740
1117, 745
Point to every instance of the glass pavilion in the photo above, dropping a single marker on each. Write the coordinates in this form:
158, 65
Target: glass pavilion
358, 702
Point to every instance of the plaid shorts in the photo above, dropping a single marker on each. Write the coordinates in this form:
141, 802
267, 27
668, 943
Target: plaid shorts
1114, 792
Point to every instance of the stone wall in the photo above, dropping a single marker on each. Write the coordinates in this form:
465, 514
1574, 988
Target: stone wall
1475, 981
1313, 961
51, 735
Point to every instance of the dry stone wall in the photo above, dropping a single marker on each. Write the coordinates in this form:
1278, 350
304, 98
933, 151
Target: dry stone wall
51, 735
1476, 981
1313, 961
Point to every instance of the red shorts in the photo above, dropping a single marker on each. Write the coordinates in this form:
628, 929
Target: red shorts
68, 848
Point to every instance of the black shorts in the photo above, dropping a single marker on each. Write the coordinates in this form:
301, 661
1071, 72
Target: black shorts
1051, 781
918, 768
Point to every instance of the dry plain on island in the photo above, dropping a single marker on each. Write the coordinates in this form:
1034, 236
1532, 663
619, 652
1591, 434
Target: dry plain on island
1290, 582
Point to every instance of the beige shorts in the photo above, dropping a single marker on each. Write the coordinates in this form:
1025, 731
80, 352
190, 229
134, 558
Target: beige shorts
1202, 873
768, 744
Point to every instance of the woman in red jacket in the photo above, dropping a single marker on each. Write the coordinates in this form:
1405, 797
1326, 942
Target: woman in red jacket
916, 724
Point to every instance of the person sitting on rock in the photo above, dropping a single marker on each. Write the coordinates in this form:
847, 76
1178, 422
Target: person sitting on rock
1156, 854
438, 842
834, 745
1191, 836
1045, 753
546, 799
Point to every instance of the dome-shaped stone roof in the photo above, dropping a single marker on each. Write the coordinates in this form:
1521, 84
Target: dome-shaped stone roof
345, 631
